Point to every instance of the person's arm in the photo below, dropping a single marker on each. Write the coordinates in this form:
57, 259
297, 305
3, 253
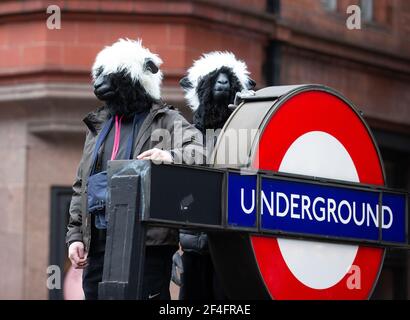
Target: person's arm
74, 236
74, 232
185, 144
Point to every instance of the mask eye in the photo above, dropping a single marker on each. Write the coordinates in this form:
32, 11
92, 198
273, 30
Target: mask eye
251, 84
150, 66
99, 71
185, 83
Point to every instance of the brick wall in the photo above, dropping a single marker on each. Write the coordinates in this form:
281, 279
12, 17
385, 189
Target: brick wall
386, 33
177, 30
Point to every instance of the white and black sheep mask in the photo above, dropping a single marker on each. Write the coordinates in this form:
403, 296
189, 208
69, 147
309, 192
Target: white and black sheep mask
131, 57
210, 62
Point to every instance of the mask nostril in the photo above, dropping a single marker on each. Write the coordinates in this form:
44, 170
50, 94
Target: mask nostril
98, 82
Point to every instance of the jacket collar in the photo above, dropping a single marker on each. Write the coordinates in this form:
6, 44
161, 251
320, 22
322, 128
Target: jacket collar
95, 119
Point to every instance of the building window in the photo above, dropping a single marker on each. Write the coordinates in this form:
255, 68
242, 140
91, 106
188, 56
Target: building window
273, 6
329, 5
60, 204
367, 10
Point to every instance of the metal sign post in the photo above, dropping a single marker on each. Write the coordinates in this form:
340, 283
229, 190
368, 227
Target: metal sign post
125, 244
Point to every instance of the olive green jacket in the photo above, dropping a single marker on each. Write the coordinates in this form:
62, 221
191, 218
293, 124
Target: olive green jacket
159, 117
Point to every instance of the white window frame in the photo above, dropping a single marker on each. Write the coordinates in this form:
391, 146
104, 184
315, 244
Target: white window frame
329, 5
367, 7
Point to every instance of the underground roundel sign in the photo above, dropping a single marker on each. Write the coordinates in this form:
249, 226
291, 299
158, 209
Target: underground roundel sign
314, 132
318, 134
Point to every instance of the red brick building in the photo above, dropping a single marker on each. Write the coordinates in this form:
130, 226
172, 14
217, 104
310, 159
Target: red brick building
45, 90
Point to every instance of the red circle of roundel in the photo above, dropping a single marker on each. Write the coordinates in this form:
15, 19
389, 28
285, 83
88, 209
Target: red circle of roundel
305, 112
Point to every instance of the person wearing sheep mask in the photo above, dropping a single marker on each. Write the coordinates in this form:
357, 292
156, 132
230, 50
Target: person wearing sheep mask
211, 86
126, 77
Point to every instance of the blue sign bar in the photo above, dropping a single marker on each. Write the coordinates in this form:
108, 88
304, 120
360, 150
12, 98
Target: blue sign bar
241, 206
316, 209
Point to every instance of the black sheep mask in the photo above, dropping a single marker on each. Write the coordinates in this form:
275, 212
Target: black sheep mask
127, 77
211, 85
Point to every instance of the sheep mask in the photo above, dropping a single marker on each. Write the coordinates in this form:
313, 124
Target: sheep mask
211, 85
126, 77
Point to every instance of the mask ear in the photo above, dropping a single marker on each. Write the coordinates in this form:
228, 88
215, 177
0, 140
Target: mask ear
185, 83
251, 84
150, 66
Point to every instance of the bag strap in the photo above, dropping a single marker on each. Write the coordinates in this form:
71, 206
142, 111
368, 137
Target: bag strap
117, 137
